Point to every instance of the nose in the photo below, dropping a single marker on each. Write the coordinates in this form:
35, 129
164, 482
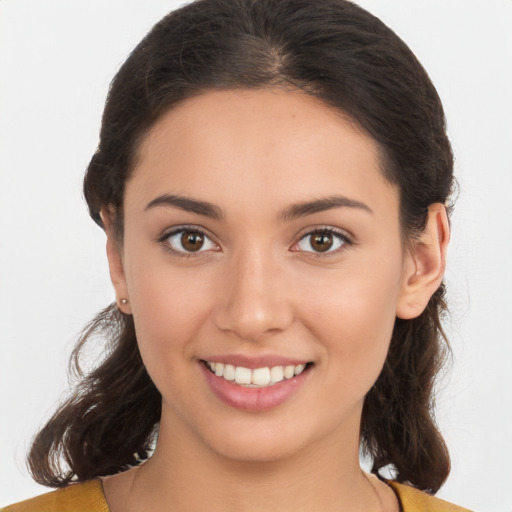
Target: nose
253, 302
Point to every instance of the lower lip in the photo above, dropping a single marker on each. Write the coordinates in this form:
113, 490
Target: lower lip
253, 399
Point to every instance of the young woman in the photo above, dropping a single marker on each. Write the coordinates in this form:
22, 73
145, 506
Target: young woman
273, 177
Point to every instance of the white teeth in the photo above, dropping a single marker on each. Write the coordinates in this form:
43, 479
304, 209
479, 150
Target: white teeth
219, 369
259, 377
243, 375
276, 374
229, 372
299, 369
289, 372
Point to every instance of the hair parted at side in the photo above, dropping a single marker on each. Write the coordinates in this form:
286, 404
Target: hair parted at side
343, 55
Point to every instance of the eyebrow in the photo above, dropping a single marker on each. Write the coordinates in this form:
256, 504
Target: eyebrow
304, 208
187, 204
292, 212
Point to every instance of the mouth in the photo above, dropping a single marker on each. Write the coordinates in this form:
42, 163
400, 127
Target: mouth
256, 377
255, 384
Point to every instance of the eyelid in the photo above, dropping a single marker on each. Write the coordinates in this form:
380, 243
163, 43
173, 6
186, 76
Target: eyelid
345, 236
162, 239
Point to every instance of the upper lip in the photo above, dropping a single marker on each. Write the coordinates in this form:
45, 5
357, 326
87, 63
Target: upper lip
253, 362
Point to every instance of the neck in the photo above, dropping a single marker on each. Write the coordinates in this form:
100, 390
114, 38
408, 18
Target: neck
325, 476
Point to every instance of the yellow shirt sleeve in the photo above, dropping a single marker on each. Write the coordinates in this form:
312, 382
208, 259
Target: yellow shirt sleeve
413, 500
89, 497
83, 497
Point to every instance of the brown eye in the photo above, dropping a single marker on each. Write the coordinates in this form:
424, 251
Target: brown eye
192, 240
322, 242
188, 241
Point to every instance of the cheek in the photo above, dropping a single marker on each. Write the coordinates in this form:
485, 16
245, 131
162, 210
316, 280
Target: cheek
355, 327
353, 322
169, 307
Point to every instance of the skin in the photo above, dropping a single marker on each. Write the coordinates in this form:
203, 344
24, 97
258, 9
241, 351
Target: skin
258, 287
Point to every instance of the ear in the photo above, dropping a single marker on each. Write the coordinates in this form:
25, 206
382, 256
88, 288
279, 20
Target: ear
115, 263
425, 264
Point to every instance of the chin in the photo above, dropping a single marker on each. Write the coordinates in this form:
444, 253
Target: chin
251, 450
268, 441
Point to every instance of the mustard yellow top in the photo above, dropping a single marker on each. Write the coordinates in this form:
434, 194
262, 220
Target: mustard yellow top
89, 497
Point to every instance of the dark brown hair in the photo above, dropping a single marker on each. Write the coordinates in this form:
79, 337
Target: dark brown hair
335, 51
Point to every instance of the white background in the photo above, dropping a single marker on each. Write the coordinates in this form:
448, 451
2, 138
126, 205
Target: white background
56, 60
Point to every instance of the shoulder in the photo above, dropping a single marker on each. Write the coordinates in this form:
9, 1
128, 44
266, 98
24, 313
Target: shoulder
413, 500
82, 497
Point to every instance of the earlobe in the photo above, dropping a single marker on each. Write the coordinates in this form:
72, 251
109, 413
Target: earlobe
425, 264
115, 263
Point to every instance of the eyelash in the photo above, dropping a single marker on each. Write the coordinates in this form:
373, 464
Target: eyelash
344, 238
164, 239
340, 235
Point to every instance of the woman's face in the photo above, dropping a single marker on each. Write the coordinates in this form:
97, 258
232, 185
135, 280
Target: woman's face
260, 234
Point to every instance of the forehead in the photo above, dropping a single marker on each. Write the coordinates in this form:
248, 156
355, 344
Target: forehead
269, 145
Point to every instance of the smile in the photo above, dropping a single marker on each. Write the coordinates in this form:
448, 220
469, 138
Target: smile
254, 385
257, 377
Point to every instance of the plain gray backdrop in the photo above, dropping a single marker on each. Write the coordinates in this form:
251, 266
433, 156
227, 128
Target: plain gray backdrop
56, 60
